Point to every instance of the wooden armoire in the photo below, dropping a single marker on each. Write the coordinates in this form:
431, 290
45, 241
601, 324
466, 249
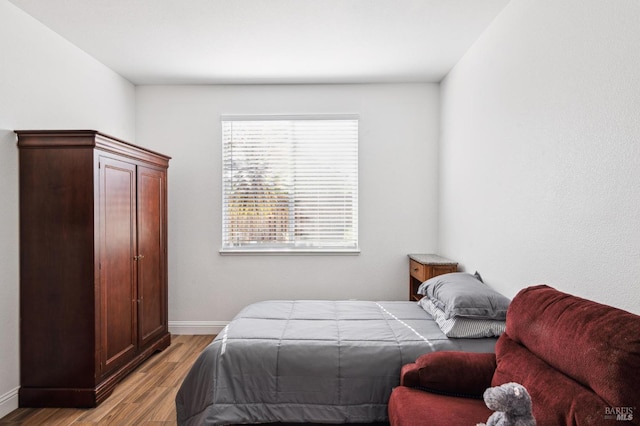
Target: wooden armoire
93, 264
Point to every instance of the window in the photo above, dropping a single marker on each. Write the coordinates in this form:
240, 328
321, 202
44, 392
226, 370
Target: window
290, 184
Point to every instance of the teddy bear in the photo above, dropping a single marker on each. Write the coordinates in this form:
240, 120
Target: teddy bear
512, 405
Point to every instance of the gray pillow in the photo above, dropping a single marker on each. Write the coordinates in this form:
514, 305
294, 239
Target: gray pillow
460, 294
460, 327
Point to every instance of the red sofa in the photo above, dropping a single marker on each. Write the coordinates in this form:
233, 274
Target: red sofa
579, 360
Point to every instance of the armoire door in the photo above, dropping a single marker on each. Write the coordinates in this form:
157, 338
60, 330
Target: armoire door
152, 319
118, 251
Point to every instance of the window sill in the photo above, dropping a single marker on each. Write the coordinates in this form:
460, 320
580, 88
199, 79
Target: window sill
285, 252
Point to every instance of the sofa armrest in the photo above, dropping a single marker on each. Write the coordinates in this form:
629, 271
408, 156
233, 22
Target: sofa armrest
452, 373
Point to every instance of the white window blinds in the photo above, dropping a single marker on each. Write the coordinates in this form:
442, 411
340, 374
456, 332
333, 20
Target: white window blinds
290, 183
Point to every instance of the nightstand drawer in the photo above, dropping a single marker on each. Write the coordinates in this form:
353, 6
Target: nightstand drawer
418, 270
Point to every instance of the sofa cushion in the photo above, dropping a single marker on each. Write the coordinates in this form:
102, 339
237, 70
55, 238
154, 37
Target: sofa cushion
439, 372
557, 399
596, 345
413, 407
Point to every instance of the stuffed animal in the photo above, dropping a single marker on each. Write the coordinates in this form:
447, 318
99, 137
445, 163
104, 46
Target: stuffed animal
512, 405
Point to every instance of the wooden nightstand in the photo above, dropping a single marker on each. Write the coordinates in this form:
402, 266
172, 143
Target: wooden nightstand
425, 266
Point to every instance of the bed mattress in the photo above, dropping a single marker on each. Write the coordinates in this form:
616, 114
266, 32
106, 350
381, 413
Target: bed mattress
310, 361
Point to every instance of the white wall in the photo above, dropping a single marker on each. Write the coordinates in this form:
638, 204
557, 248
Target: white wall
539, 157
397, 195
540, 151
45, 83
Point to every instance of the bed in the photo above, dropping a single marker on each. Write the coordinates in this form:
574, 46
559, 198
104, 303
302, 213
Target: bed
312, 361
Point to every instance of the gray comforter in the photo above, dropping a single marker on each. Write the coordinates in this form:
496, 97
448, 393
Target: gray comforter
310, 361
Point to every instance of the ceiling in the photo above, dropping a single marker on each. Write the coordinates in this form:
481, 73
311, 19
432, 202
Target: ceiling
270, 41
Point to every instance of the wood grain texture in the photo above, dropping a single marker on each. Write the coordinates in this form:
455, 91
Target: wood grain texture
152, 300
145, 397
84, 290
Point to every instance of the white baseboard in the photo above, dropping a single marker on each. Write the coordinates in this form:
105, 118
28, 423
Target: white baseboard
8, 402
196, 327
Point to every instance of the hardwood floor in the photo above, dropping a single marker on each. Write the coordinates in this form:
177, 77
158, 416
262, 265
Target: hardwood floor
145, 397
